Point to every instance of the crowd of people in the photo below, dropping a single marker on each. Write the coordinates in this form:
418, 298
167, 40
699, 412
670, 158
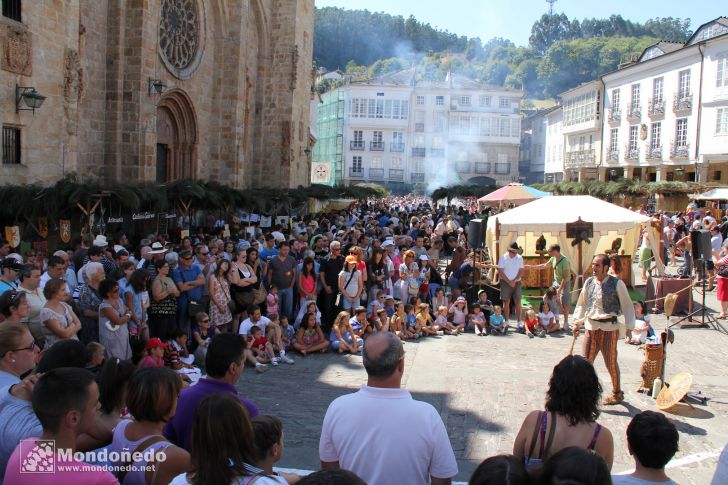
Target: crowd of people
118, 345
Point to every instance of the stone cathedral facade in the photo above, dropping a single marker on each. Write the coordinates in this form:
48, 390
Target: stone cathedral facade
157, 90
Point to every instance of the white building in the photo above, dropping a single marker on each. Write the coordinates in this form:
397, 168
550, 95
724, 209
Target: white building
399, 132
532, 162
666, 112
582, 130
554, 145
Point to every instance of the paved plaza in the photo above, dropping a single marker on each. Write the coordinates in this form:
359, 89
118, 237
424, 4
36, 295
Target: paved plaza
483, 387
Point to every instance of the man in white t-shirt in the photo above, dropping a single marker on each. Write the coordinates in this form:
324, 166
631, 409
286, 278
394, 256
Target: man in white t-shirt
407, 444
510, 267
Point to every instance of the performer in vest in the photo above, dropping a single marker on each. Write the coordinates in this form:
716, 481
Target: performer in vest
602, 299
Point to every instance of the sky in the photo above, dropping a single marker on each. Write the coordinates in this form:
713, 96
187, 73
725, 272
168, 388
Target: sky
512, 19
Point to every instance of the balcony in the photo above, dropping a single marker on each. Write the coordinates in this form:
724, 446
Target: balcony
396, 174
419, 152
376, 174
376, 146
653, 152
613, 154
437, 152
681, 150
417, 177
580, 159
656, 107
634, 111
614, 116
631, 153
356, 172
356, 145
396, 147
682, 102
482, 167
462, 167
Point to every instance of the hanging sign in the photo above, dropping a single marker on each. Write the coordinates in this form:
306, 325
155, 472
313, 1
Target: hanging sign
43, 227
65, 230
12, 235
170, 215
115, 220
140, 216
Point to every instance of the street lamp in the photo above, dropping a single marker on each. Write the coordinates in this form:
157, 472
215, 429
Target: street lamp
156, 86
29, 96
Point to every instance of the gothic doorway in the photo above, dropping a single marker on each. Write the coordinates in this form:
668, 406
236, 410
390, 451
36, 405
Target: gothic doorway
176, 138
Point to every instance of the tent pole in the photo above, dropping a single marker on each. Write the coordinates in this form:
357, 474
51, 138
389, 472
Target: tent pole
580, 278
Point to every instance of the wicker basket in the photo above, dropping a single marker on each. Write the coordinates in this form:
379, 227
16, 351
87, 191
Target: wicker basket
652, 366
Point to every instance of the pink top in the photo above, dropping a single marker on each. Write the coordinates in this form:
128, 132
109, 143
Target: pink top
150, 361
272, 302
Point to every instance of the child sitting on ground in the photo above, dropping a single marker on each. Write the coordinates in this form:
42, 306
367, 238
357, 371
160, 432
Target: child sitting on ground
342, 335
271, 301
398, 322
412, 326
154, 354
288, 333
529, 326
553, 302
459, 314
486, 306
424, 321
642, 328
202, 334
389, 305
497, 322
178, 359
310, 338
477, 320
442, 321
261, 348
359, 322
546, 320
382, 321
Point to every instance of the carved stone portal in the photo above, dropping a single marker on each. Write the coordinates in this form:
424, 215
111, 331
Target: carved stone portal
181, 35
18, 53
72, 76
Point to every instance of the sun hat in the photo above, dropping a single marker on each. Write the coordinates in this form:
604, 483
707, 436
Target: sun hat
157, 248
101, 241
155, 342
351, 259
461, 299
513, 247
424, 257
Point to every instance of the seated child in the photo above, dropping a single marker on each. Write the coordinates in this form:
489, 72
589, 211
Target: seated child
442, 322
412, 326
359, 322
178, 359
546, 320
477, 320
288, 333
642, 328
389, 305
497, 322
202, 334
375, 305
342, 337
398, 323
261, 348
458, 314
382, 321
268, 434
424, 321
95, 358
529, 326
155, 354
553, 301
310, 338
486, 306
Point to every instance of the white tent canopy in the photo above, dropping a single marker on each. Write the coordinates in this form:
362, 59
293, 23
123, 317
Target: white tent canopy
718, 193
548, 216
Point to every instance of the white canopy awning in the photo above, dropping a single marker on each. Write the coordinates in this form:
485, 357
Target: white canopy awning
718, 193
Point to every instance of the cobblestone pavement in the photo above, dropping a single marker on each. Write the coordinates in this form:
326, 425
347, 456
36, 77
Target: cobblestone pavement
483, 387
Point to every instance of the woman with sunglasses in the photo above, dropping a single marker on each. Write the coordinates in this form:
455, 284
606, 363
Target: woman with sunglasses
14, 306
114, 321
18, 353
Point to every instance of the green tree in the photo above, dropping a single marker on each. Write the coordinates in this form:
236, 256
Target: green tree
549, 29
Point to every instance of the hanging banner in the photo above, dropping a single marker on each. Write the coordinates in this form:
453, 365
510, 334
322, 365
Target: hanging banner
43, 227
41, 249
265, 221
65, 230
12, 235
141, 216
226, 231
282, 221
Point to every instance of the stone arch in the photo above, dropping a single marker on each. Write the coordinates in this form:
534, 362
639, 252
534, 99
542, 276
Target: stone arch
177, 137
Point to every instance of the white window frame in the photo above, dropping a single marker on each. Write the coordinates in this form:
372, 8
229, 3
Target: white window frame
377, 136
721, 121
465, 100
485, 101
658, 88
504, 103
376, 162
656, 135
634, 136
681, 132
420, 100
721, 75
635, 94
356, 164
439, 100
614, 139
615, 99
396, 162
683, 89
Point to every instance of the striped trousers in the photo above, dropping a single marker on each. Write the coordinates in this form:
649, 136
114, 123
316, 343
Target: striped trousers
596, 341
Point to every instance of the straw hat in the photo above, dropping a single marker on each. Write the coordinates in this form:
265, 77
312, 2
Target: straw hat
675, 390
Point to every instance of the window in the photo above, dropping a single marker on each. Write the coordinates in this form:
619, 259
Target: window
464, 100
615, 99
440, 121
684, 84
502, 167
634, 133
12, 10
356, 164
505, 103
485, 101
419, 140
721, 125
440, 100
377, 137
358, 108
376, 162
505, 126
388, 108
721, 79
582, 139
464, 125
580, 108
404, 110
681, 133
396, 162
11, 143
420, 100
398, 137
438, 142
372, 108
358, 136
657, 88
656, 135
614, 139
485, 127
380, 108
515, 127
635, 94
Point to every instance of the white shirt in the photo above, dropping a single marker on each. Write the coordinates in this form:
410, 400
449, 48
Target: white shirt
407, 444
248, 324
45, 278
510, 265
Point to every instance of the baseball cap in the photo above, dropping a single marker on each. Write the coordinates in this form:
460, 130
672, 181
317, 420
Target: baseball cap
12, 263
155, 342
351, 259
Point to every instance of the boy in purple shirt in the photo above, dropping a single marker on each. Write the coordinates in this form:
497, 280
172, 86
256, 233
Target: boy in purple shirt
224, 364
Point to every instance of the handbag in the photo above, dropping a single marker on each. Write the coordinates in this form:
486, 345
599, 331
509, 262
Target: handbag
338, 297
259, 294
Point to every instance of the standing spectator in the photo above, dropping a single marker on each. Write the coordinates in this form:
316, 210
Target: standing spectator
224, 365
220, 298
56, 269
242, 279
163, 305
716, 243
562, 280
134, 300
377, 274
721, 265
114, 321
510, 267
11, 269
351, 284
108, 264
329, 276
89, 300
189, 280
58, 320
668, 241
307, 281
29, 284
282, 273
652, 440
407, 444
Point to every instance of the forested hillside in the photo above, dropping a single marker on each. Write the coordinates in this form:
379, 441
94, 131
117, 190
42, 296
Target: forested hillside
561, 54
